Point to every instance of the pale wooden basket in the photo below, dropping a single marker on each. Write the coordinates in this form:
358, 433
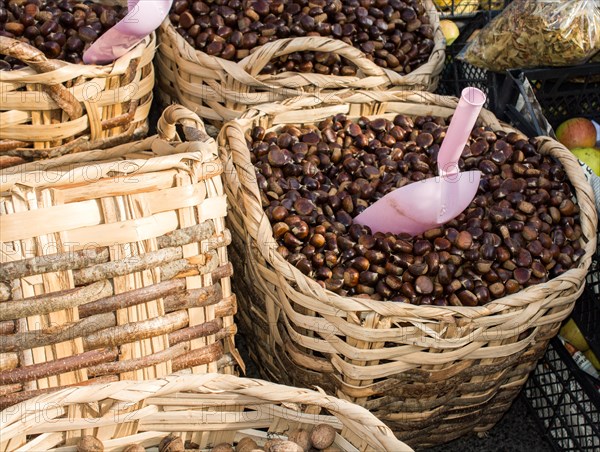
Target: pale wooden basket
54, 107
204, 409
114, 265
219, 90
431, 373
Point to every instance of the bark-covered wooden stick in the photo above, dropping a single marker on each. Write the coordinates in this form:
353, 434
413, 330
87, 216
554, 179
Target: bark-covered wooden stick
204, 296
121, 120
179, 237
45, 304
104, 300
53, 263
126, 266
133, 297
223, 271
19, 150
7, 145
194, 332
7, 389
169, 260
226, 307
198, 357
81, 259
129, 365
218, 241
58, 366
181, 268
54, 335
135, 331
6, 161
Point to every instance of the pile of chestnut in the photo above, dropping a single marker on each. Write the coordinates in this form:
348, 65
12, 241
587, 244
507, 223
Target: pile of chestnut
521, 229
395, 34
62, 29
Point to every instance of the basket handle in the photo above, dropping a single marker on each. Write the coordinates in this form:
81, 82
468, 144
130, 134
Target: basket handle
255, 62
315, 101
193, 127
36, 60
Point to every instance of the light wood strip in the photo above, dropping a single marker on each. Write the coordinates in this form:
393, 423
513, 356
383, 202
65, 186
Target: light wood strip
33, 223
86, 213
128, 231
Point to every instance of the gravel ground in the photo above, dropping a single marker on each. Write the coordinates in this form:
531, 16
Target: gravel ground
517, 431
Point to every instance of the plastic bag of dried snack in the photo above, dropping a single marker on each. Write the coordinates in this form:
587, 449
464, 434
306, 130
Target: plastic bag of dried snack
533, 33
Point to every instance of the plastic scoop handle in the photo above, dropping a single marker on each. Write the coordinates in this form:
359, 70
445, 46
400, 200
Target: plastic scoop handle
419, 206
463, 120
143, 18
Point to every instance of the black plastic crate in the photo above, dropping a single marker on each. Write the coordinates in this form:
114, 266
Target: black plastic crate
458, 75
453, 9
558, 93
587, 309
564, 399
527, 98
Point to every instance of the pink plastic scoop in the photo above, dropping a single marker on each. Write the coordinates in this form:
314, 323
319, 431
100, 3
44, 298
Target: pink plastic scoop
426, 204
143, 18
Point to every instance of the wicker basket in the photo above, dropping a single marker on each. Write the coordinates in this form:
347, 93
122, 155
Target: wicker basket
204, 409
219, 90
114, 265
431, 373
53, 107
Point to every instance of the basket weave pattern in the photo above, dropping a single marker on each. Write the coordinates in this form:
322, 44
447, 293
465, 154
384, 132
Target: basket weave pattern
53, 107
431, 373
205, 409
114, 265
219, 90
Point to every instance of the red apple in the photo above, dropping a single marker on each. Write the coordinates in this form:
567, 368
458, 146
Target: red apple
577, 133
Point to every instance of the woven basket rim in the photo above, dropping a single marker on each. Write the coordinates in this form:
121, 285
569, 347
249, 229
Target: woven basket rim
121, 168
91, 70
190, 150
584, 194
